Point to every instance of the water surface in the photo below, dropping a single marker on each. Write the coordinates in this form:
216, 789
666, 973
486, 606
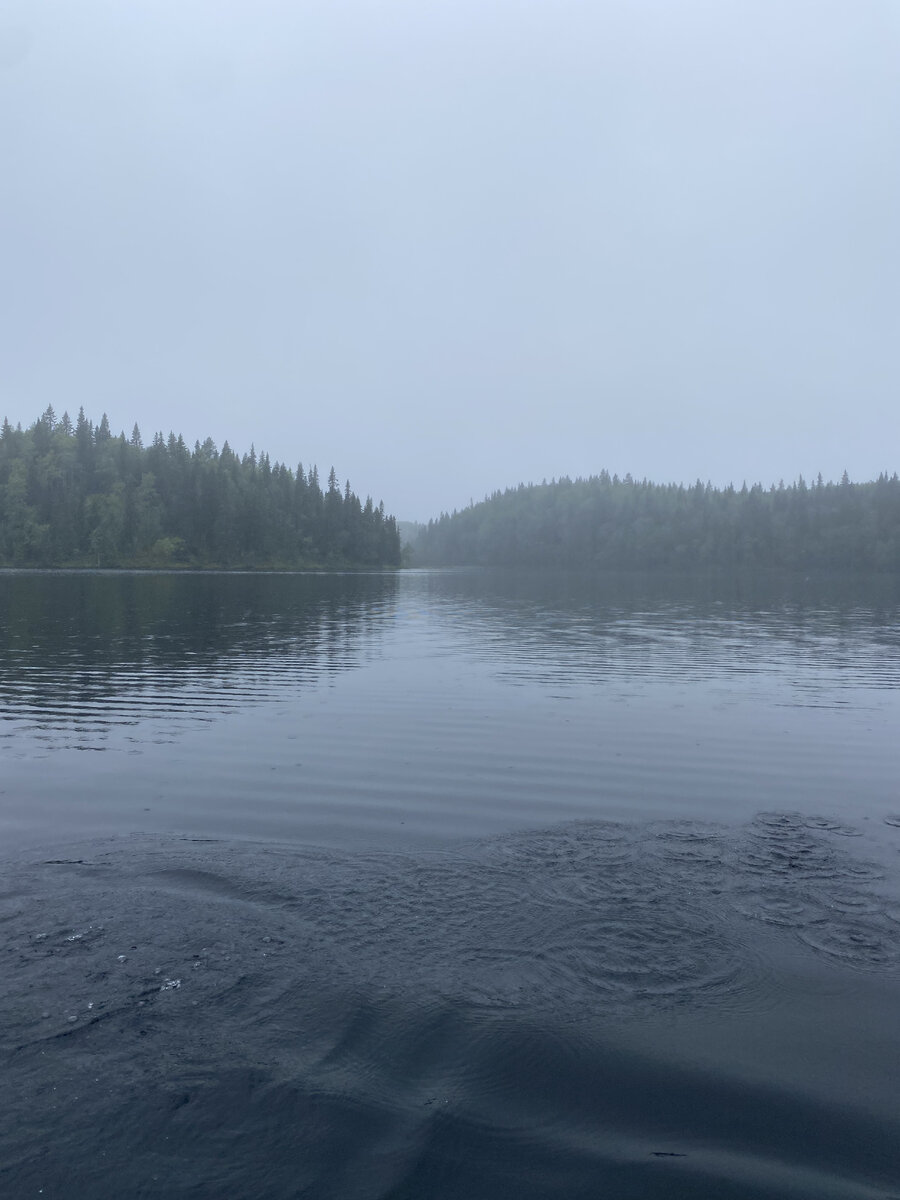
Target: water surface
449, 884
435, 705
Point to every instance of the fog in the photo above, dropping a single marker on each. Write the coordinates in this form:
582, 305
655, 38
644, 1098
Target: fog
450, 246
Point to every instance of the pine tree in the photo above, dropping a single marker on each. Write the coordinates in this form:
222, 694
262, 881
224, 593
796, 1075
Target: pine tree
98, 499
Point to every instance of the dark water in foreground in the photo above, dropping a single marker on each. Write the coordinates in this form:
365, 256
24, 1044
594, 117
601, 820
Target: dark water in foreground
448, 886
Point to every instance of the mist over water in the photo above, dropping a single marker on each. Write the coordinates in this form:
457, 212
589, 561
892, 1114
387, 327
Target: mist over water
449, 884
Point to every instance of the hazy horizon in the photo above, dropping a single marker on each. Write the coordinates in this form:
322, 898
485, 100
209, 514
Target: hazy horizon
451, 248
323, 472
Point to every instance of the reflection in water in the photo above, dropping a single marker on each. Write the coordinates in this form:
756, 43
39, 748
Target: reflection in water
85, 651
438, 704
818, 634
672, 973
80, 652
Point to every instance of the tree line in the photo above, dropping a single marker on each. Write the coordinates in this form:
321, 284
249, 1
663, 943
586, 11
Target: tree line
77, 495
607, 522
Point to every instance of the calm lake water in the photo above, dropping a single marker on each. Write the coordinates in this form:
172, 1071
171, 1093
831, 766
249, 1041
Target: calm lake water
449, 884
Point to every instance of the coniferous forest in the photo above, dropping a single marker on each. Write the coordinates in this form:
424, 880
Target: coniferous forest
76, 495
610, 523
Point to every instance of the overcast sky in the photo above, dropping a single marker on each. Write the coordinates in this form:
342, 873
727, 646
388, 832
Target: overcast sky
449, 246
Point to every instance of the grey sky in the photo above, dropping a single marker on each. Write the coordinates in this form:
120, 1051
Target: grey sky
451, 246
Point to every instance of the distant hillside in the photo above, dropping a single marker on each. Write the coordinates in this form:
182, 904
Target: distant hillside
78, 496
607, 522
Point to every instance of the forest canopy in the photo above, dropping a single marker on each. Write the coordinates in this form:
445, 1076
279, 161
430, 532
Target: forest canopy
76, 495
611, 523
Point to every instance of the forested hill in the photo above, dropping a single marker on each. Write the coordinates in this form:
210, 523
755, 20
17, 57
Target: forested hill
79, 496
606, 522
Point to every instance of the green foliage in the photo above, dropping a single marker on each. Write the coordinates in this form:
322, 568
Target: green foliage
611, 523
81, 496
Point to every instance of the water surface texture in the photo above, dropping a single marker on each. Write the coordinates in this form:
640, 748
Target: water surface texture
450, 885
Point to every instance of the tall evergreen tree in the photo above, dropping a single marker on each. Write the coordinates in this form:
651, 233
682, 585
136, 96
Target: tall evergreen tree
82, 496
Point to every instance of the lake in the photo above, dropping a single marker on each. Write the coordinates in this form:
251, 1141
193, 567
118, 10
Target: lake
449, 884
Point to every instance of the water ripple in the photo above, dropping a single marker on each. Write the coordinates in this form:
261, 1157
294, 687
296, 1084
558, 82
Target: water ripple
381, 1001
